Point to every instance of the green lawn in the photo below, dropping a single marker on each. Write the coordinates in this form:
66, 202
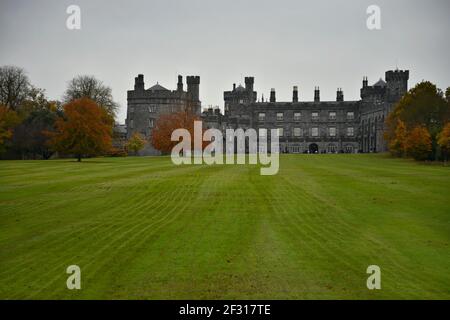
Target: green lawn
142, 228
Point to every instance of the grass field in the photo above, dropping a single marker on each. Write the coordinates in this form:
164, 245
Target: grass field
141, 228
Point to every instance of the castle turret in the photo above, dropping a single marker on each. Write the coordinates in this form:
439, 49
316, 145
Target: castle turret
180, 83
272, 95
397, 83
295, 94
249, 81
193, 84
139, 83
316, 94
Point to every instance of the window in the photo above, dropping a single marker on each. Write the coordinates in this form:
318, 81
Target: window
150, 123
298, 132
131, 123
280, 116
315, 132
348, 149
241, 101
350, 131
315, 115
152, 109
332, 131
131, 109
261, 116
332, 115
297, 116
280, 132
262, 132
350, 115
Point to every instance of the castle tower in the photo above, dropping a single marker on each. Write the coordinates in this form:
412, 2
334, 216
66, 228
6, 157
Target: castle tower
249, 81
193, 84
397, 83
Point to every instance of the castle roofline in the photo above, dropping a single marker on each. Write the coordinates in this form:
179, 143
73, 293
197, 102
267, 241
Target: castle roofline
380, 83
157, 87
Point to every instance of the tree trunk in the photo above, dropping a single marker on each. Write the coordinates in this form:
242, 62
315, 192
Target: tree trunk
79, 158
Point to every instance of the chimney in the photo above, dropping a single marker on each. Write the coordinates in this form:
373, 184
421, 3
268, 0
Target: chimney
316, 94
139, 82
234, 86
365, 82
272, 95
295, 94
180, 83
339, 95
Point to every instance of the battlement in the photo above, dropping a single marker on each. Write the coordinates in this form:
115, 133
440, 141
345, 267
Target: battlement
249, 80
193, 80
397, 75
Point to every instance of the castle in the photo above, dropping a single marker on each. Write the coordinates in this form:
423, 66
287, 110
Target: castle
303, 127
146, 105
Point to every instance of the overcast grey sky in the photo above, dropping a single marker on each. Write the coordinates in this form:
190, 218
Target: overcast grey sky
281, 43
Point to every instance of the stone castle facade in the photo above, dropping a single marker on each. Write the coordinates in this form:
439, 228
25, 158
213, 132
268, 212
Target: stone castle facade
146, 105
303, 126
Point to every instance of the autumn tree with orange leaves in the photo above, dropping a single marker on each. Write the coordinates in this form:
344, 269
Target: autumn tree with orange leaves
85, 129
444, 141
166, 124
397, 144
418, 143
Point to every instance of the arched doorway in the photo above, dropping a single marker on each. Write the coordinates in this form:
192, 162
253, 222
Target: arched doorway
313, 148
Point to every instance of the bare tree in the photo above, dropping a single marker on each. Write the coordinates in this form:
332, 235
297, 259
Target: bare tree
14, 86
85, 86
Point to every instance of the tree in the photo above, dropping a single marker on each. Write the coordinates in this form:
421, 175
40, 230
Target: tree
85, 129
8, 120
444, 140
38, 115
31, 136
136, 143
14, 86
423, 105
37, 100
85, 86
166, 124
418, 143
397, 145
